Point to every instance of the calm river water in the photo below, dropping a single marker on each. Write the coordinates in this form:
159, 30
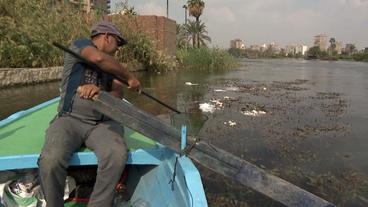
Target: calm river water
305, 121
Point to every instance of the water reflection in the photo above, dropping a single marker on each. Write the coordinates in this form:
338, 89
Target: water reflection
20, 98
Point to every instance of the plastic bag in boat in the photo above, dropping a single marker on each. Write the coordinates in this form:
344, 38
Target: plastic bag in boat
18, 193
15, 195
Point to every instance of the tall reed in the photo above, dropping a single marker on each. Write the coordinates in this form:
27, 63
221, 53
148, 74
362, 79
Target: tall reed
204, 58
28, 28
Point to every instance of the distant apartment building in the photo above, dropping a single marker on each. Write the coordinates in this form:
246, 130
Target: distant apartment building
88, 5
255, 47
321, 41
237, 43
274, 47
290, 50
301, 49
263, 48
296, 49
338, 48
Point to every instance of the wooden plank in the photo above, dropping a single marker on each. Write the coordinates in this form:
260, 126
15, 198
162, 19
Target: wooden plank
137, 120
259, 180
208, 155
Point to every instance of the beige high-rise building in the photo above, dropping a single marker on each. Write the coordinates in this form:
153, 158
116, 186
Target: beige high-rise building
339, 47
88, 5
237, 43
321, 41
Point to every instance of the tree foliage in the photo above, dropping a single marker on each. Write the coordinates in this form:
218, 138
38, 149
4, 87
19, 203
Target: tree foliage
196, 8
28, 28
316, 53
195, 31
181, 36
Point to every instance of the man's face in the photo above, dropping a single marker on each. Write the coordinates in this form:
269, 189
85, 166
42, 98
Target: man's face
111, 43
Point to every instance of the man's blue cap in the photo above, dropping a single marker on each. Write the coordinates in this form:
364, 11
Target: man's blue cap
103, 27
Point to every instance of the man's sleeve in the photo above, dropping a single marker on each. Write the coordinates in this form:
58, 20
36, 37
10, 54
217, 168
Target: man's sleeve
79, 45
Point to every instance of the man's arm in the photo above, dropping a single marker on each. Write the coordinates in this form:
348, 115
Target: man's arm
88, 91
108, 64
117, 88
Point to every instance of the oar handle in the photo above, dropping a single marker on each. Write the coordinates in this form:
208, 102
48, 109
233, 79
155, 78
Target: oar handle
95, 67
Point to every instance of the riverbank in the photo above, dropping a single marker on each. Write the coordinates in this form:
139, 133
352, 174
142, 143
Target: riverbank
314, 53
202, 59
13, 77
309, 58
10, 77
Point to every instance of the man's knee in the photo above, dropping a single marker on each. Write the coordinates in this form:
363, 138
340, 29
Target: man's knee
119, 154
49, 162
116, 155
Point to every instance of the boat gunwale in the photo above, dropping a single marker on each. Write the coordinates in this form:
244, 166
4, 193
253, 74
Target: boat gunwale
147, 156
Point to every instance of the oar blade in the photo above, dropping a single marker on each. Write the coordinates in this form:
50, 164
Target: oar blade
259, 180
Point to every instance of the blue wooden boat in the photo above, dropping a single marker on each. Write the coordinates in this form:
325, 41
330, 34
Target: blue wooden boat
22, 136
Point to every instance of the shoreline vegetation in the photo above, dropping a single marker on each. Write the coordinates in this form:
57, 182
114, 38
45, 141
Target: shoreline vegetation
204, 58
314, 53
28, 27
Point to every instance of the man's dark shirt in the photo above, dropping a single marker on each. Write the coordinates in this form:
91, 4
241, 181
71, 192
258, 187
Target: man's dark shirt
76, 74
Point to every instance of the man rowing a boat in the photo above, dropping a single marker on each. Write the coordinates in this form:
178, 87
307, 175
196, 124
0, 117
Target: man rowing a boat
77, 123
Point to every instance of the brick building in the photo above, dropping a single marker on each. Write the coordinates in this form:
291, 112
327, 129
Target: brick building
161, 30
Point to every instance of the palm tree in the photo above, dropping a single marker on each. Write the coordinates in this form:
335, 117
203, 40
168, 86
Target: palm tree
350, 49
332, 45
125, 9
195, 8
197, 33
181, 36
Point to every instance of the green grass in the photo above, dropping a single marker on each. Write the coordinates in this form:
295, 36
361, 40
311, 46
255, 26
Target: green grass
206, 59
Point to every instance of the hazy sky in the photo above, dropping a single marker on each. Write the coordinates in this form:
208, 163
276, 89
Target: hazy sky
264, 21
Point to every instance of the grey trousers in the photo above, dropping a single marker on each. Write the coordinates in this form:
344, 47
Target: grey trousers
65, 136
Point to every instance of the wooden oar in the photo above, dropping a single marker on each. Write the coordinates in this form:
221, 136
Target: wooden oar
208, 155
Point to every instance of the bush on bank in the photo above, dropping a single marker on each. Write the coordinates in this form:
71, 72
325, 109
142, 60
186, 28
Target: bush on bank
28, 28
204, 58
139, 49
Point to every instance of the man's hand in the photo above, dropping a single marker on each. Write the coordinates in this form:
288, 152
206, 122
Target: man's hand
134, 84
88, 91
